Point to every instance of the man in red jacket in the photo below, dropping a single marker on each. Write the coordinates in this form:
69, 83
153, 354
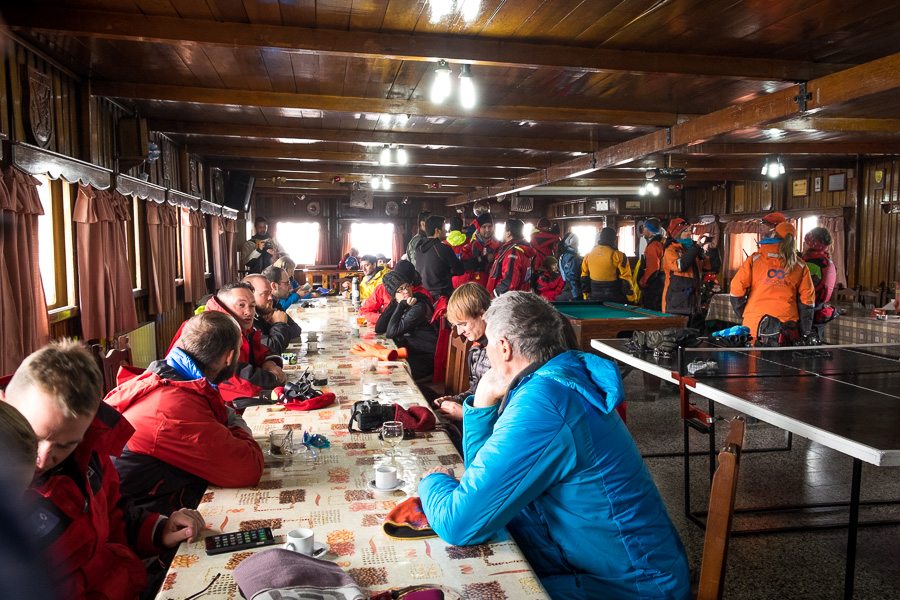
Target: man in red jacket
185, 436
512, 267
482, 244
73, 505
258, 368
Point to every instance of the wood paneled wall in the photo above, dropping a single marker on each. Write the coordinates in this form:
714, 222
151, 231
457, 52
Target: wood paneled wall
878, 232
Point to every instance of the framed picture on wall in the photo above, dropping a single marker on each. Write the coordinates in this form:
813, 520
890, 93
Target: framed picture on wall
837, 182
800, 187
878, 180
817, 184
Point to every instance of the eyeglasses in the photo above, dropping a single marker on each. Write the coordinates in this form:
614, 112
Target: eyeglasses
404, 288
288, 282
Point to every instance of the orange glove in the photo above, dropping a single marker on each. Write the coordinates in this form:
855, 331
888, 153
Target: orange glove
401, 353
383, 353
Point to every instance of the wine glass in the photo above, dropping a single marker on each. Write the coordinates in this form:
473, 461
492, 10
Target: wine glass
392, 433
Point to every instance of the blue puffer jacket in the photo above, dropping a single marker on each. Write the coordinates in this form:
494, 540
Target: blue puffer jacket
559, 468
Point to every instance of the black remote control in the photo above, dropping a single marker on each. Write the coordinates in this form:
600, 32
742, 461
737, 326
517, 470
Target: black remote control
239, 540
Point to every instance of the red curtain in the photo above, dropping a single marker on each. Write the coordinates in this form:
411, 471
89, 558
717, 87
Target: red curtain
835, 226
23, 309
105, 294
224, 263
398, 247
192, 232
740, 242
345, 240
323, 251
162, 219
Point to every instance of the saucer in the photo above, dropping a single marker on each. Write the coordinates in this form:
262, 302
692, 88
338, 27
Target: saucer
320, 549
371, 485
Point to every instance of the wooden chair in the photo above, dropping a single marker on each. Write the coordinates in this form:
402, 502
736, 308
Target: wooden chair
870, 299
721, 513
846, 295
109, 362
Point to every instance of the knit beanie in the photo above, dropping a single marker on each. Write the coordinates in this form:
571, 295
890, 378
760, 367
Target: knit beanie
484, 218
774, 218
550, 262
676, 226
392, 282
408, 270
607, 237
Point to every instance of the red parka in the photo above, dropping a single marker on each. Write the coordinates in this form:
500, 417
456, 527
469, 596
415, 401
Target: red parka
182, 424
250, 378
90, 538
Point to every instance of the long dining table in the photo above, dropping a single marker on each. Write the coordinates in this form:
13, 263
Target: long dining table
328, 491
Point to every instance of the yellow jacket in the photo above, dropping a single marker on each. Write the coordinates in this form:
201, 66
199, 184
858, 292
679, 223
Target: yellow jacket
604, 265
368, 284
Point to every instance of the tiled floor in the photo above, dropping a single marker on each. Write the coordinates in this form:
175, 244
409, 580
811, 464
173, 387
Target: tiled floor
808, 565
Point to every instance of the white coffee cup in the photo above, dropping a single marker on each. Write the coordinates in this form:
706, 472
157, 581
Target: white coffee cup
386, 477
312, 336
300, 540
312, 346
370, 389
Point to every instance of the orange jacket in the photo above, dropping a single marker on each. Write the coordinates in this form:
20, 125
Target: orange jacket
771, 291
684, 269
653, 256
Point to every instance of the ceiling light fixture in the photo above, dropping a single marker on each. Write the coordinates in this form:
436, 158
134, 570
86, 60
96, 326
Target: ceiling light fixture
402, 157
375, 182
467, 96
440, 89
385, 183
773, 167
385, 158
649, 189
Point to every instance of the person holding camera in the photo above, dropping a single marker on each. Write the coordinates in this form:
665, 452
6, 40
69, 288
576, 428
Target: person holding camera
684, 262
259, 251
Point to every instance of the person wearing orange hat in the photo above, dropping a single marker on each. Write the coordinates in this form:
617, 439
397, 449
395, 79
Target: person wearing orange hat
684, 262
775, 282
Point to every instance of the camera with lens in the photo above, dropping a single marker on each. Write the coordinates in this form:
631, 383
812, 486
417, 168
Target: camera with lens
268, 245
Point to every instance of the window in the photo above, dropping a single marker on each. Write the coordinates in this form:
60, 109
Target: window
626, 239
804, 226
586, 235
47, 242
56, 256
372, 238
740, 246
299, 240
500, 231
135, 244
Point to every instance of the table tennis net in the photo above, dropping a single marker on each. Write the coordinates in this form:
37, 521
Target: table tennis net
708, 361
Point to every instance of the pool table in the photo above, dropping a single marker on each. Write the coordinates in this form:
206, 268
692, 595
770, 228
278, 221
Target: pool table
598, 320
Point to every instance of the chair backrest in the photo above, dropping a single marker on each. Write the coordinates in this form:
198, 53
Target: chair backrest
109, 362
721, 513
848, 295
870, 299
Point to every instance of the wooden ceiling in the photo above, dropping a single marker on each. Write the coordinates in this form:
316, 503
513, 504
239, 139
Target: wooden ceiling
298, 92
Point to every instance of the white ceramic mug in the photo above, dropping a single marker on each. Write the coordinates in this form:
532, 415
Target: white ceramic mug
300, 540
312, 346
386, 477
370, 389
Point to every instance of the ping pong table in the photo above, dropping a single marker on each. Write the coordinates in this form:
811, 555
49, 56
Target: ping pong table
844, 397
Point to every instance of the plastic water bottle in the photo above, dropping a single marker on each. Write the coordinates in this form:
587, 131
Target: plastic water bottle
354, 293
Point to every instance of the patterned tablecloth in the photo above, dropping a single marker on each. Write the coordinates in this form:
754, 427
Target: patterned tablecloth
855, 326
327, 491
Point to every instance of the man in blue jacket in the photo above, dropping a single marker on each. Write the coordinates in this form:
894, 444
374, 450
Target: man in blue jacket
548, 457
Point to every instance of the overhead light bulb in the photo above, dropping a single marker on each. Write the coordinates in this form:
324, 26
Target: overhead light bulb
467, 95
375, 182
773, 167
385, 155
440, 89
385, 183
402, 157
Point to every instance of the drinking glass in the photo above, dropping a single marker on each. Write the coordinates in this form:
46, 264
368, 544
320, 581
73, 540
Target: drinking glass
392, 433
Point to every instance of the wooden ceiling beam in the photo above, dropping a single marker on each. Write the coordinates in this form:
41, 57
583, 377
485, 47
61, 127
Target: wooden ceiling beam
395, 189
374, 137
398, 46
838, 124
392, 106
334, 168
362, 157
849, 148
421, 181
874, 77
